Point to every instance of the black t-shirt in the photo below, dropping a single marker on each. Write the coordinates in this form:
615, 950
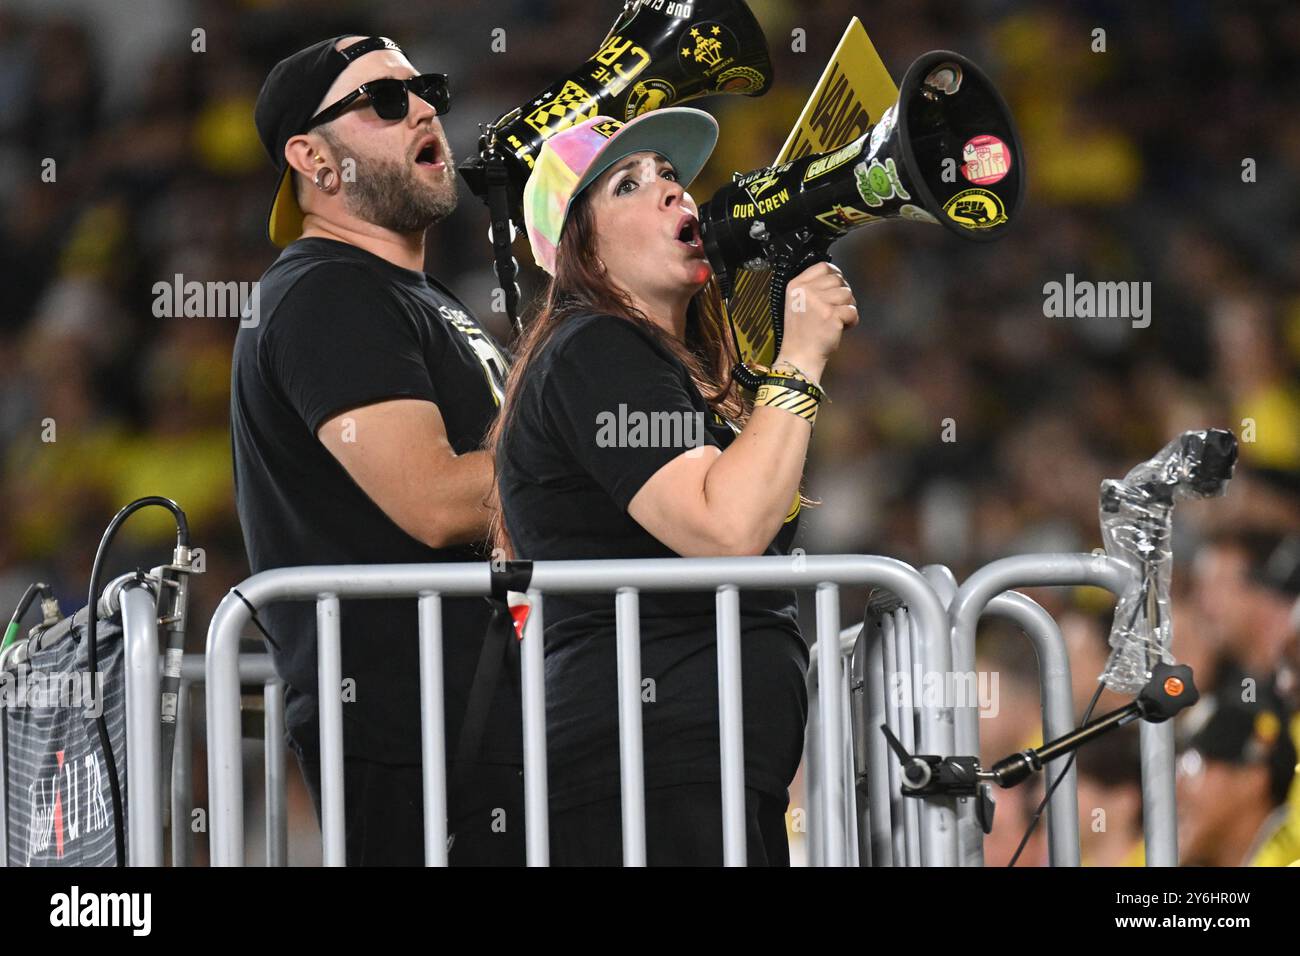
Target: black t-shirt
341, 328
602, 408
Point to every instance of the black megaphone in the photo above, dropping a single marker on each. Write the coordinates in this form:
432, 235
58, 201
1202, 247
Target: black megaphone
658, 53
947, 153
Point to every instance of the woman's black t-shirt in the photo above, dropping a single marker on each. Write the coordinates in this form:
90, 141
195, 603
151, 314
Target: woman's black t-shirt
602, 408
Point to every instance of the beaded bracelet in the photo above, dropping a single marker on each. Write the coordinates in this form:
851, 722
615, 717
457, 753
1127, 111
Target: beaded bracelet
798, 372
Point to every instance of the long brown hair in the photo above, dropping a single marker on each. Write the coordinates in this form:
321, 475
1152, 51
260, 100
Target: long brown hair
580, 286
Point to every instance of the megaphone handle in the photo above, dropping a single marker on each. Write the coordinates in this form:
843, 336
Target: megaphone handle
784, 268
776, 301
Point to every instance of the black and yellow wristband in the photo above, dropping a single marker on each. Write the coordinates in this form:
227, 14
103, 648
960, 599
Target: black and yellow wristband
796, 382
778, 392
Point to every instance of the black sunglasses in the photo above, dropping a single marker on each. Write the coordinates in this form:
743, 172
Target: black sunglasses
389, 97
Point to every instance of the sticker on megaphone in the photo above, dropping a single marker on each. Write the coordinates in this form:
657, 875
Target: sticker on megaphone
948, 117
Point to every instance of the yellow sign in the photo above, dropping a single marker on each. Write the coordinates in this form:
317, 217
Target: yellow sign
854, 91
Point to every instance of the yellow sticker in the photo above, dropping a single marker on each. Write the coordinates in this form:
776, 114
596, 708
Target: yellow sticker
976, 209
647, 95
570, 106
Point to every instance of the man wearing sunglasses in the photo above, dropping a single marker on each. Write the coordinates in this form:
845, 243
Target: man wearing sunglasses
359, 398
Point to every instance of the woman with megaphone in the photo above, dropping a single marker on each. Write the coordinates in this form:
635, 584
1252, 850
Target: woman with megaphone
624, 435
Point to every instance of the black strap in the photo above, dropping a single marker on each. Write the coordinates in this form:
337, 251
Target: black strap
256, 620
498, 643
497, 178
367, 45
788, 256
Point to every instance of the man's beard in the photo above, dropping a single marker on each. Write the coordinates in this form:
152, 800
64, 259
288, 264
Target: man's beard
393, 194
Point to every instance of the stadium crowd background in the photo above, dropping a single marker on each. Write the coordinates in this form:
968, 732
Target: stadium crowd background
1135, 163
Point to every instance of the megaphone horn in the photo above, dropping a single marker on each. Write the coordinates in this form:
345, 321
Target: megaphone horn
656, 54
946, 152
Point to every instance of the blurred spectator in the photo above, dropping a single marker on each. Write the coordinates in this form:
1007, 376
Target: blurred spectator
1233, 778
1110, 800
1014, 810
1245, 610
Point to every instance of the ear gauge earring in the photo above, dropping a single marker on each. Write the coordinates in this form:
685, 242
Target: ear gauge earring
326, 180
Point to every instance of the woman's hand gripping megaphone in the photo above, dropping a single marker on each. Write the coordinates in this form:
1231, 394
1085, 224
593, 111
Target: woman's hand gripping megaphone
819, 306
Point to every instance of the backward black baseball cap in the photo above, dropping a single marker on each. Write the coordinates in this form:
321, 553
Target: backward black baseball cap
1224, 727
286, 103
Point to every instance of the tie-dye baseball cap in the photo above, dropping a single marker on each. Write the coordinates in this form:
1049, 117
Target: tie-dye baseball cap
574, 158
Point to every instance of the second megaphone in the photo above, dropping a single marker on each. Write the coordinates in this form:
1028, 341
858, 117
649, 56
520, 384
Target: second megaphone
656, 54
947, 152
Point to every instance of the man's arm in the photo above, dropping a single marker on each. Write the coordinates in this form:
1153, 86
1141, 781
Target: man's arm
397, 452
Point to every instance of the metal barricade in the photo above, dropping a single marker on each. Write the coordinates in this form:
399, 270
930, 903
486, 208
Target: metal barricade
253, 669
626, 579
917, 624
1057, 707
886, 653
1156, 741
833, 830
